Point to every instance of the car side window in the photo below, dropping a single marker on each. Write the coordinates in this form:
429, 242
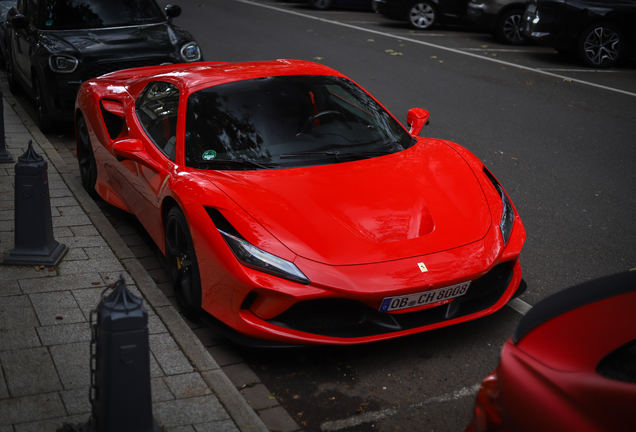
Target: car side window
157, 110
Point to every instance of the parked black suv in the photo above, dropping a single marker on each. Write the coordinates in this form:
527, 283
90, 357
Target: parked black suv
600, 33
52, 46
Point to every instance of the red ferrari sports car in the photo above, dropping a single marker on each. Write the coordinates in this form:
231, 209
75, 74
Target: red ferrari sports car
292, 207
570, 365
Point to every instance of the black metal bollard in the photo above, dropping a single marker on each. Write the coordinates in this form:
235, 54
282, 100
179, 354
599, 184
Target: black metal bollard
34, 242
120, 393
5, 157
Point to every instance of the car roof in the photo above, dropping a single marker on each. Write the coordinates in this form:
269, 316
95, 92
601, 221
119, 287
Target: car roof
574, 298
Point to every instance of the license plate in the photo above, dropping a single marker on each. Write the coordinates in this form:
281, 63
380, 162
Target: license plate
420, 299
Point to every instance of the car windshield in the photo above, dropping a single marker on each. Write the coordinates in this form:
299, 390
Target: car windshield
84, 14
287, 121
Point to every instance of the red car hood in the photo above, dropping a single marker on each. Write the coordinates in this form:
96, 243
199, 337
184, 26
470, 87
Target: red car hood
419, 201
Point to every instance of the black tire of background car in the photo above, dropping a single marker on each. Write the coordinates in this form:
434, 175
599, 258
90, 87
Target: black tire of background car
321, 4
422, 15
86, 158
183, 268
600, 45
44, 118
14, 86
510, 29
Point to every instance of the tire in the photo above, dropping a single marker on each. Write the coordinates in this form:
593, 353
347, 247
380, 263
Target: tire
600, 45
183, 268
321, 4
86, 158
510, 28
14, 86
44, 118
422, 15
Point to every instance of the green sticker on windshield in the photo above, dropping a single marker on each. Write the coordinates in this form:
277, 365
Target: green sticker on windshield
209, 155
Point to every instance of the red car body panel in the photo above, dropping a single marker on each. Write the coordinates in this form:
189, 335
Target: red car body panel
356, 229
549, 379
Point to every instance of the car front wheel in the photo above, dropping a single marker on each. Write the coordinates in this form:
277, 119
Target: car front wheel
44, 118
422, 15
510, 28
600, 45
182, 264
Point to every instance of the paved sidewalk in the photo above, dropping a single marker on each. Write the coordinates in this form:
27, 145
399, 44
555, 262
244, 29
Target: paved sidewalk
44, 329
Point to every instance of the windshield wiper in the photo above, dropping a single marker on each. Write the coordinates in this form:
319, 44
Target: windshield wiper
339, 155
241, 161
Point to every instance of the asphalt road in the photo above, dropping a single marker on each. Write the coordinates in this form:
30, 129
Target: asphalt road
560, 138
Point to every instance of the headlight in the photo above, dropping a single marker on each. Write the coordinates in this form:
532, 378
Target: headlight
507, 214
258, 259
190, 52
63, 63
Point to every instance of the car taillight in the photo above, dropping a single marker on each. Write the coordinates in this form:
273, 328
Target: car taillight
487, 414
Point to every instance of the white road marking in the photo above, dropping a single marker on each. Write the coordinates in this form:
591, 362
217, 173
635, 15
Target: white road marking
453, 50
368, 417
520, 306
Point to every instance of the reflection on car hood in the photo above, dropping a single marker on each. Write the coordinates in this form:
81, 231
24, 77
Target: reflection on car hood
118, 42
415, 202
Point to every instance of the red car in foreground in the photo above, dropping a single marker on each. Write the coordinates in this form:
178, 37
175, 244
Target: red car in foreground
292, 207
570, 365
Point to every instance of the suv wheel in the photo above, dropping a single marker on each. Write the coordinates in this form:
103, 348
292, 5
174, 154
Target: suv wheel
600, 45
422, 15
510, 29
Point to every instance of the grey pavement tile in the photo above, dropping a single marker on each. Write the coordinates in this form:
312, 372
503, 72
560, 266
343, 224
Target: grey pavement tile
84, 230
188, 428
51, 425
17, 312
160, 391
217, 426
7, 214
187, 385
63, 201
9, 288
100, 252
113, 277
21, 272
133, 240
57, 308
6, 225
241, 374
155, 369
142, 251
76, 401
31, 408
7, 428
65, 333
70, 210
91, 266
85, 241
29, 372
62, 282
169, 355
7, 204
19, 339
258, 397
181, 412
57, 193
159, 275
61, 233
72, 363
277, 419
4, 391
155, 325
57, 184
166, 289
151, 263
74, 254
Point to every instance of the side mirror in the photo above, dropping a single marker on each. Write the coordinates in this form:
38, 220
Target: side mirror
19, 21
172, 11
133, 149
417, 118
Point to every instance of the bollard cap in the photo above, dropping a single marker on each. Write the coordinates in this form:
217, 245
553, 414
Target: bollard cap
122, 310
30, 163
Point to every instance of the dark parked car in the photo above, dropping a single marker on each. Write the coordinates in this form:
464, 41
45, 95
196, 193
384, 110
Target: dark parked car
326, 4
502, 17
52, 46
601, 33
422, 14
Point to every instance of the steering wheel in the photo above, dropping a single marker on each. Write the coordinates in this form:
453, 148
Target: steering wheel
320, 114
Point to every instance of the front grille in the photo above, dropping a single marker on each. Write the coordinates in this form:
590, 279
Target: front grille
349, 318
100, 68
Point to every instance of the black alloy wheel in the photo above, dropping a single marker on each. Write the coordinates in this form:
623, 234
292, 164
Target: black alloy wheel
321, 4
44, 118
600, 45
422, 15
182, 264
86, 158
510, 28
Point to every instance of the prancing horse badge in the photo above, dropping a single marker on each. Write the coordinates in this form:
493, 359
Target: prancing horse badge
422, 267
